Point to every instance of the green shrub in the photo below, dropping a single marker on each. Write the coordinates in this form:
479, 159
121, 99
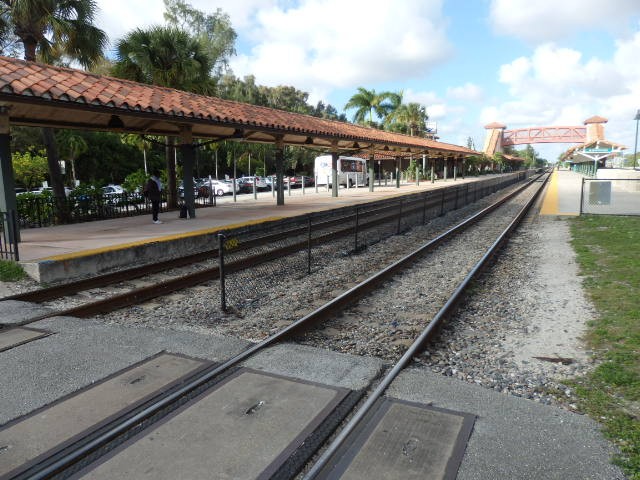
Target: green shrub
11, 271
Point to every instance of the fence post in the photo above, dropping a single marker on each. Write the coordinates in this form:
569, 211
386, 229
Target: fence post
303, 184
13, 221
309, 244
581, 195
356, 232
316, 183
223, 296
424, 209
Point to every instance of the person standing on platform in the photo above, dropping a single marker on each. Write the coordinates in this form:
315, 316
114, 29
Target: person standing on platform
152, 191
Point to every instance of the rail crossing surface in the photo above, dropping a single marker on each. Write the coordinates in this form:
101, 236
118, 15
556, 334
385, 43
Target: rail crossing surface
85, 371
64, 376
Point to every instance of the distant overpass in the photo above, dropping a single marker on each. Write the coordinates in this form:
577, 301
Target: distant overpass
498, 136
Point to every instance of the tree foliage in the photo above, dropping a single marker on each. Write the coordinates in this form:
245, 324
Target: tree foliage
165, 56
29, 168
53, 30
214, 31
72, 145
367, 103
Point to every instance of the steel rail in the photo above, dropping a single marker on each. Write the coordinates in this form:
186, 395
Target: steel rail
46, 470
143, 294
418, 344
66, 289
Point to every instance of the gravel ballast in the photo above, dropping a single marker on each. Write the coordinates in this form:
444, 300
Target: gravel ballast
529, 304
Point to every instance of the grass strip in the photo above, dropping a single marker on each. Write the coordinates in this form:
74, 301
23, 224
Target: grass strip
11, 271
608, 252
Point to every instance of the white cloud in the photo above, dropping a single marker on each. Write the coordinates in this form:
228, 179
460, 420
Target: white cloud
469, 92
118, 17
542, 21
558, 86
320, 44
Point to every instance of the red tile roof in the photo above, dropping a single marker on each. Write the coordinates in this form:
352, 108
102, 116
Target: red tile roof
595, 119
60, 89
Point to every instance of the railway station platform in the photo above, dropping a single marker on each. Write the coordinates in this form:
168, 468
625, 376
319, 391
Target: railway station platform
562, 195
63, 252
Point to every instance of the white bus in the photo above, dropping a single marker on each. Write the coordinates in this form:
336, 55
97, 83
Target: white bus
352, 171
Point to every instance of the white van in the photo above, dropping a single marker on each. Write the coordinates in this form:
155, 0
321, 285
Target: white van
352, 171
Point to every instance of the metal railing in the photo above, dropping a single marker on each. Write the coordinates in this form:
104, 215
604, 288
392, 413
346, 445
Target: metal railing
44, 211
322, 236
617, 196
9, 236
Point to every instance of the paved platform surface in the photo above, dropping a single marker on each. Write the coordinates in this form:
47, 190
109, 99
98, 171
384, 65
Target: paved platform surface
562, 195
512, 437
65, 241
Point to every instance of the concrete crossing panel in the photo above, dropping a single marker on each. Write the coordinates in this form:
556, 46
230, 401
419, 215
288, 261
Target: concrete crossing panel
245, 428
24, 440
404, 440
13, 337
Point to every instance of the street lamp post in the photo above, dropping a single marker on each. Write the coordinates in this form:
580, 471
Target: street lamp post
635, 150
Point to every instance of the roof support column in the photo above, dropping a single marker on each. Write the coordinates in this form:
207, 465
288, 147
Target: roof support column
7, 184
188, 157
398, 161
334, 172
371, 172
279, 171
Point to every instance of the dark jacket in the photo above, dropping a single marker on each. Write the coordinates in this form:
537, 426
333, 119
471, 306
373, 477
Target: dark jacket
151, 190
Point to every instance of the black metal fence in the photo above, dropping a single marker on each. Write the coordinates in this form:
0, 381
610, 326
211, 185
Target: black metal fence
36, 211
302, 245
9, 236
619, 196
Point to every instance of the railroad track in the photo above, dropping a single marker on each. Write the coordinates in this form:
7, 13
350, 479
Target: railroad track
61, 463
250, 252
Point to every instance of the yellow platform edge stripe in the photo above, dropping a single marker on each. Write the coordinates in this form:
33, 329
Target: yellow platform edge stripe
195, 233
168, 238
550, 203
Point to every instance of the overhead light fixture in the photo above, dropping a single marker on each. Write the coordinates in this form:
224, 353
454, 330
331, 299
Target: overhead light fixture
115, 122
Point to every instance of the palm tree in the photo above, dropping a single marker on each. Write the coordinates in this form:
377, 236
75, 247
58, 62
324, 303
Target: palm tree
141, 142
164, 56
72, 146
412, 118
56, 30
392, 102
366, 102
168, 57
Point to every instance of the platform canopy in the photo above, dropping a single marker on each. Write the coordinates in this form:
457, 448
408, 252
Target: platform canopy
595, 151
44, 95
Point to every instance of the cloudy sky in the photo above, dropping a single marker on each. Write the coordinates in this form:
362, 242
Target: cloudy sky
470, 62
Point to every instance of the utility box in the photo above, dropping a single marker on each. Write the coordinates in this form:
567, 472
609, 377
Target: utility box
599, 193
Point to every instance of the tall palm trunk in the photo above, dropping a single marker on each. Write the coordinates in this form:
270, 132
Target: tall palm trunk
53, 159
55, 174
172, 190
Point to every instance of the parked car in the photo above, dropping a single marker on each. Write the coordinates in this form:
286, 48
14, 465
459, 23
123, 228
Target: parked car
181, 190
111, 190
245, 184
298, 180
219, 187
